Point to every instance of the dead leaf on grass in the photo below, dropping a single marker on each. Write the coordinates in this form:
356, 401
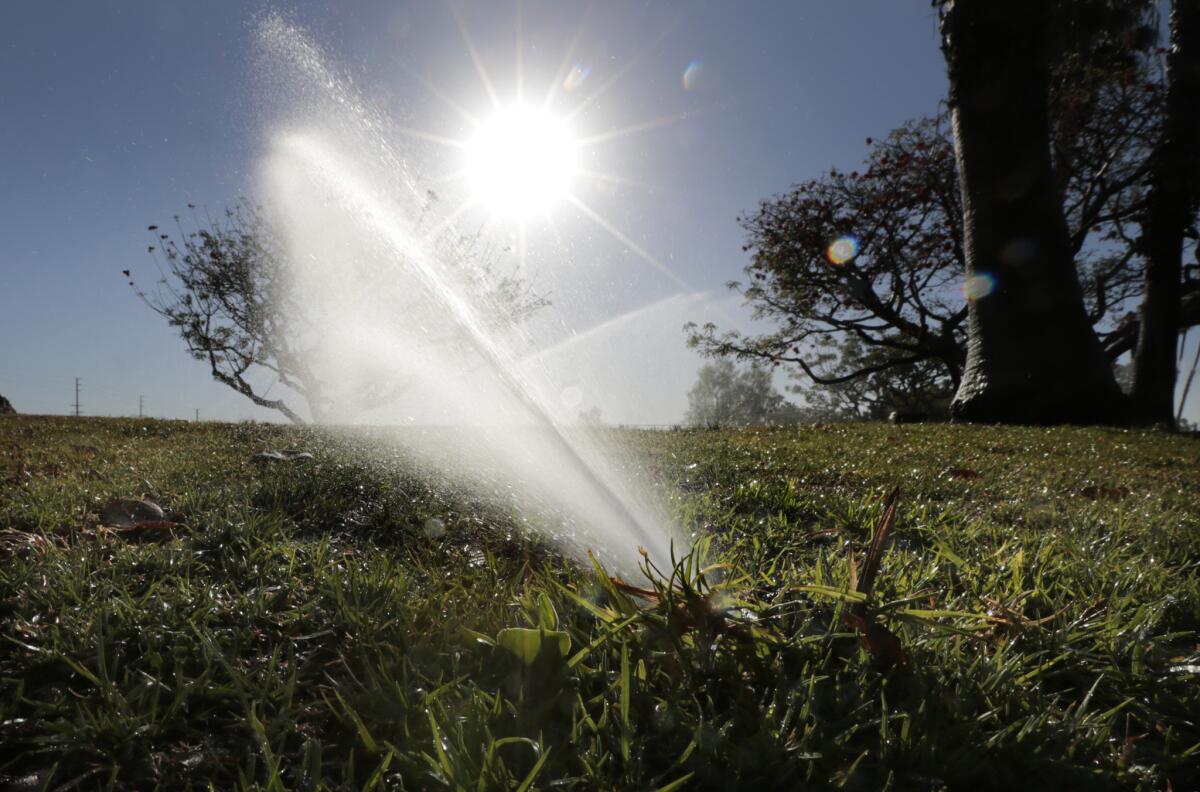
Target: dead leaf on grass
875, 638
128, 512
22, 543
132, 518
878, 640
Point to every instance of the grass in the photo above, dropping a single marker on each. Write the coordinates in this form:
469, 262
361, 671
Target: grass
353, 622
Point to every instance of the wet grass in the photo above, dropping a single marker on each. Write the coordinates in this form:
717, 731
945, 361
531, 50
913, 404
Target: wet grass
351, 622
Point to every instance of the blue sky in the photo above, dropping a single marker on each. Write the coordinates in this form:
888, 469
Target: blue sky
114, 116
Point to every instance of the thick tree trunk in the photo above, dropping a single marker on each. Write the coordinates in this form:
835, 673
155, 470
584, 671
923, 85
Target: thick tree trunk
1170, 208
1032, 356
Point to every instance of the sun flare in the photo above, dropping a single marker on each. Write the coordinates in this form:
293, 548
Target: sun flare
521, 161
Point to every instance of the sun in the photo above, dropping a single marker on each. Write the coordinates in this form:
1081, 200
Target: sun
521, 161
525, 159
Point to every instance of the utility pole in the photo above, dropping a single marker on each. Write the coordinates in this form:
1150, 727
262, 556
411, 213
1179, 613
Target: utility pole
197, 415
77, 397
141, 402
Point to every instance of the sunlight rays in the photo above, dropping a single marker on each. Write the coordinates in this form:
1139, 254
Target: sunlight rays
611, 178
467, 116
641, 126
565, 67
520, 70
419, 134
663, 269
448, 220
517, 161
474, 53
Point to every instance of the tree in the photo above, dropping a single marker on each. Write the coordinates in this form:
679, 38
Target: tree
1169, 217
226, 289
1032, 356
725, 395
897, 288
921, 388
879, 255
869, 254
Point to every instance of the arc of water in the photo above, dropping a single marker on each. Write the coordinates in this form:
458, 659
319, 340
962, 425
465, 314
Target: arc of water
370, 208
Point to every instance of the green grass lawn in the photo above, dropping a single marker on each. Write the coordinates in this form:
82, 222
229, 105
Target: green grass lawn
351, 621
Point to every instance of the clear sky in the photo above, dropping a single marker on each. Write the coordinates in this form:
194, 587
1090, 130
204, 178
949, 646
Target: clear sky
116, 115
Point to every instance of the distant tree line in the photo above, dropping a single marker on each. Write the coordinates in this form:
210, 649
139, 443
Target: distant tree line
726, 394
989, 261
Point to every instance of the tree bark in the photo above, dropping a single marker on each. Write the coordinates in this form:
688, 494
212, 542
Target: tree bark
1170, 208
1032, 356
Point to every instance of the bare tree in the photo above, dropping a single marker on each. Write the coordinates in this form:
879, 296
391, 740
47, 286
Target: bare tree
225, 287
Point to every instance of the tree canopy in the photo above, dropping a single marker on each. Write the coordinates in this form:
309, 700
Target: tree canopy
877, 254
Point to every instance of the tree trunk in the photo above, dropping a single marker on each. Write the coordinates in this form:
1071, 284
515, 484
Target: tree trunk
1032, 356
1169, 211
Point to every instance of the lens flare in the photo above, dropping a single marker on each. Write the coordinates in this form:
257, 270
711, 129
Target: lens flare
842, 249
692, 75
572, 396
978, 286
575, 78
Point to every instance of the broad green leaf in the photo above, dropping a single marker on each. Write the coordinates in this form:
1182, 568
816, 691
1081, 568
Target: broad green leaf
527, 643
